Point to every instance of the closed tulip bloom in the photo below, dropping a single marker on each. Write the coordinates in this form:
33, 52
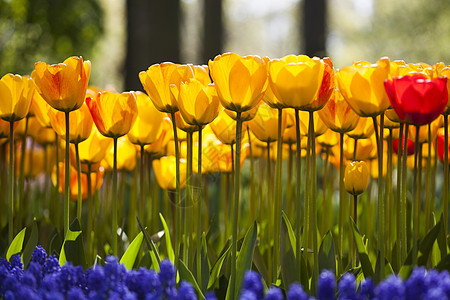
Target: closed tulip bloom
363, 130
157, 82
15, 93
270, 96
148, 122
41, 108
80, 124
329, 139
126, 161
445, 72
397, 146
63, 85
164, 169
201, 73
319, 125
423, 131
302, 82
113, 114
94, 148
356, 177
246, 115
338, 115
362, 85
240, 81
158, 148
182, 125
198, 103
265, 124
365, 150
417, 99
224, 127
45, 136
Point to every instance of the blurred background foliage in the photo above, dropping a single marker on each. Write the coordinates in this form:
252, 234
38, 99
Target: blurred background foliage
123, 37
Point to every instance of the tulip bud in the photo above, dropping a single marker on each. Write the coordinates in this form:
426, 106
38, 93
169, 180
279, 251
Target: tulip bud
356, 177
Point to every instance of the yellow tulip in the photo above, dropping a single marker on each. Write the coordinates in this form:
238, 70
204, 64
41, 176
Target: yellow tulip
356, 177
423, 131
41, 108
126, 161
366, 148
80, 124
302, 82
148, 122
338, 115
45, 136
94, 148
224, 127
113, 114
265, 124
198, 103
201, 73
183, 126
245, 116
319, 125
164, 169
240, 81
63, 85
15, 93
362, 85
363, 130
160, 79
329, 139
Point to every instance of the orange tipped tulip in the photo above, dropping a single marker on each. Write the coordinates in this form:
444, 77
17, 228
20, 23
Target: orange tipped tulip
80, 123
240, 81
16, 93
356, 177
63, 85
113, 114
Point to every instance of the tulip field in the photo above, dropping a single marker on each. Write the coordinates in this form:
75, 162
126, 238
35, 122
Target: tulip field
247, 178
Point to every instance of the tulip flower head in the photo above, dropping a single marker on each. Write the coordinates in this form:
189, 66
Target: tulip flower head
417, 99
113, 114
63, 85
356, 177
16, 93
265, 124
165, 172
240, 81
397, 146
361, 84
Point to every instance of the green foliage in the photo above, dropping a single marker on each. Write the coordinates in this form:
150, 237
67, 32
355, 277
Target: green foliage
16, 244
51, 31
129, 257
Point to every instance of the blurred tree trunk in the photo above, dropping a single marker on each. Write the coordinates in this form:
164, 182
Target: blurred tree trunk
314, 27
152, 36
213, 29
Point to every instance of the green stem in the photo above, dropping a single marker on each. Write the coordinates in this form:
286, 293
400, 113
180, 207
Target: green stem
11, 184
80, 198
342, 201
237, 182
428, 209
90, 214
21, 201
278, 196
298, 198
390, 202
141, 184
445, 191
288, 195
403, 207
58, 195
269, 203
114, 202
314, 197
199, 206
398, 200
380, 206
416, 198
66, 179
188, 206
178, 192
325, 206
252, 181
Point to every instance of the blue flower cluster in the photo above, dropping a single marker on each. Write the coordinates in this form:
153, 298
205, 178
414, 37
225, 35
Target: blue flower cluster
46, 279
422, 284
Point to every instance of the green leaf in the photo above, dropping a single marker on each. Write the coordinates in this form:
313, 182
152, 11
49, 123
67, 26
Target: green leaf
442, 241
156, 260
31, 244
204, 264
290, 231
289, 267
185, 274
218, 265
426, 245
244, 259
72, 249
170, 251
16, 244
258, 260
327, 255
362, 252
129, 257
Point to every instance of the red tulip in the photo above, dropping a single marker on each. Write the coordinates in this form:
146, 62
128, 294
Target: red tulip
417, 99
397, 146
441, 146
